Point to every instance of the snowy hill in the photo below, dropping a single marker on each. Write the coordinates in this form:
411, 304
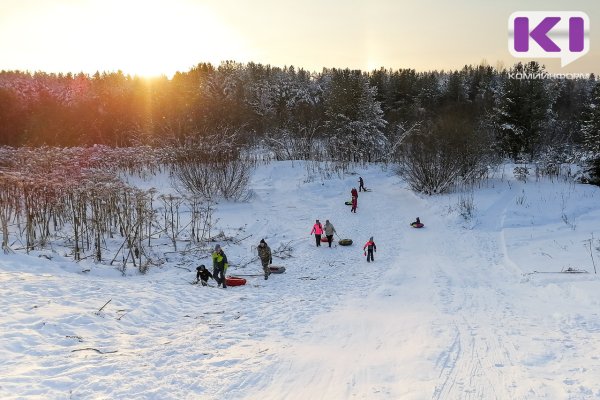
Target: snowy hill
462, 309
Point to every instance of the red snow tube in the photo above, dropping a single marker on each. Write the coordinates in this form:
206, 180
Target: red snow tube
234, 281
324, 239
415, 225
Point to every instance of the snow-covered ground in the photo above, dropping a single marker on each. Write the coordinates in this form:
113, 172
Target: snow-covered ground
457, 310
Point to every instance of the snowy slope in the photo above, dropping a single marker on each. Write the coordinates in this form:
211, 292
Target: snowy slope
451, 311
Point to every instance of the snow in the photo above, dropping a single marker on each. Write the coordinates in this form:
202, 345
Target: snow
455, 310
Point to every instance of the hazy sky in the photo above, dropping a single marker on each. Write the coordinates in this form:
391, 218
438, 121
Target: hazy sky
162, 36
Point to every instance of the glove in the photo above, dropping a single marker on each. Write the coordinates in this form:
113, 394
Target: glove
365, 253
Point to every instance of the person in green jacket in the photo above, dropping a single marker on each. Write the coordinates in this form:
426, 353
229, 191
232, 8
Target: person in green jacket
219, 266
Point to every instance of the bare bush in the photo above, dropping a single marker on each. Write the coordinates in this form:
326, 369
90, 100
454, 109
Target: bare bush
449, 151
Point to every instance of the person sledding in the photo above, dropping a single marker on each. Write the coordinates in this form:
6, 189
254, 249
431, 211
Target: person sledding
219, 266
202, 275
329, 231
361, 184
264, 253
318, 231
417, 223
369, 248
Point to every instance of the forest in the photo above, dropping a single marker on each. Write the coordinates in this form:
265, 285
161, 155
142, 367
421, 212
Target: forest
66, 141
336, 114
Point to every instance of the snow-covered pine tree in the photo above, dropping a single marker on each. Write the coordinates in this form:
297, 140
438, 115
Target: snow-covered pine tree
523, 111
354, 119
590, 131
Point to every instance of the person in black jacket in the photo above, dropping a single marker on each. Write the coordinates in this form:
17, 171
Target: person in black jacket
361, 184
202, 275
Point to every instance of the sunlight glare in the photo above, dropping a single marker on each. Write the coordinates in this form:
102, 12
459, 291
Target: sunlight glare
145, 38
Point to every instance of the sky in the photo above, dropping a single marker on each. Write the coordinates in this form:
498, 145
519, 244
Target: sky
153, 37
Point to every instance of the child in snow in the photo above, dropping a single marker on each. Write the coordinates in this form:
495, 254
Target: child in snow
202, 275
354, 193
417, 223
318, 231
370, 248
354, 204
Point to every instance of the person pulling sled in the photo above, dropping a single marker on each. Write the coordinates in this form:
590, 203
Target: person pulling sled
361, 184
264, 253
219, 266
354, 204
329, 231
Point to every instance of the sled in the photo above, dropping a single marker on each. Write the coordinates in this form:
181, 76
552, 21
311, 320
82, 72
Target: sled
415, 225
234, 281
348, 203
276, 269
324, 239
569, 270
345, 242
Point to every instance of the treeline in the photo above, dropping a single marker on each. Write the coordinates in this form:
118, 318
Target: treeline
345, 115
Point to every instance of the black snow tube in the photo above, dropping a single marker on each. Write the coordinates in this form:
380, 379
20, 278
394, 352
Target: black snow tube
345, 242
276, 269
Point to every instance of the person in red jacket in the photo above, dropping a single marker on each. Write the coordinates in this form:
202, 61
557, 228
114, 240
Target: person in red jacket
318, 231
354, 193
354, 204
369, 248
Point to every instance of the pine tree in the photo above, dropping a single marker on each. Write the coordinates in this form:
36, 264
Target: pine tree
590, 130
523, 112
354, 119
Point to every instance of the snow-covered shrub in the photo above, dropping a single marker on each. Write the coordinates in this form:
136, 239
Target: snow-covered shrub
521, 173
466, 205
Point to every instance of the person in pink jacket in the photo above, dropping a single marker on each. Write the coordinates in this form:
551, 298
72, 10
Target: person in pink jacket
318, 231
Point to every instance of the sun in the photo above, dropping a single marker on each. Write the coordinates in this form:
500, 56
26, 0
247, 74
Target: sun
138, 37
161, 37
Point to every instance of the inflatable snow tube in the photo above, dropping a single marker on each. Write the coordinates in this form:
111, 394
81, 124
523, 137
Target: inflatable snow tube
345, 242
276, 269
415, 225
324, 239
348, 203
234, 281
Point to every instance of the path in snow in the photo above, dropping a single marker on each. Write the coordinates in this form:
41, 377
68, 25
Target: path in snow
443, 313
446, 316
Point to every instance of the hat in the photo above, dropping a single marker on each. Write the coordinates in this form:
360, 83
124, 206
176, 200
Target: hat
371, 238
217, 247
262, 241
202, 266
